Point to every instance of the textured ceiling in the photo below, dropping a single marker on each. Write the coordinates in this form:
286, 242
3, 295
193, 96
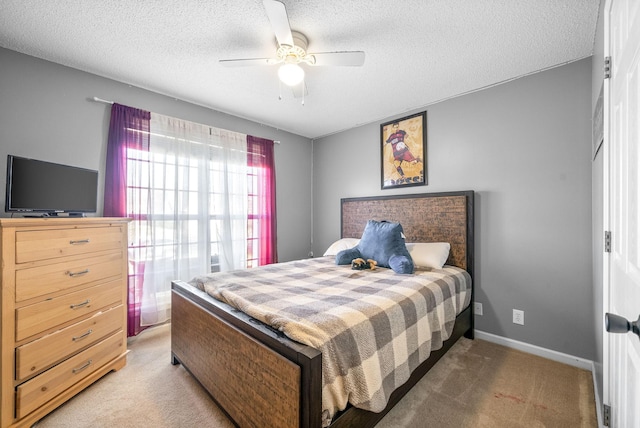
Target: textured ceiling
417, 52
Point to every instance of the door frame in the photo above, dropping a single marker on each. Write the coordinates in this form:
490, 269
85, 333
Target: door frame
606, 210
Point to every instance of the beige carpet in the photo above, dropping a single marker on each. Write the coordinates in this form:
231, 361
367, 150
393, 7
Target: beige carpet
477, 384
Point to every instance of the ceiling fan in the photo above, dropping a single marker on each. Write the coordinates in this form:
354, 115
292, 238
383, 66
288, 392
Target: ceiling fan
292, 51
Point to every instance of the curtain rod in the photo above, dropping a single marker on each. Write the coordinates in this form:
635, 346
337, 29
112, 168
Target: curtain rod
100, 100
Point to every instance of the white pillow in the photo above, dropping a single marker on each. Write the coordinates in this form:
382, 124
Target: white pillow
429, 254
341, 244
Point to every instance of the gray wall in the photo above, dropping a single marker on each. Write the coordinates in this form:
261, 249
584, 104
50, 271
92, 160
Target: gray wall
45, 113
525, 148
597, 74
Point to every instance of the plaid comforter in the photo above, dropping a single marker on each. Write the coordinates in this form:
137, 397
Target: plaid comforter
372, 327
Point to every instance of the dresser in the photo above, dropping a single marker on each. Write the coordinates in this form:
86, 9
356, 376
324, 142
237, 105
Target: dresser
63, 307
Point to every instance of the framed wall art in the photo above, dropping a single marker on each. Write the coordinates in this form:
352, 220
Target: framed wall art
403, 149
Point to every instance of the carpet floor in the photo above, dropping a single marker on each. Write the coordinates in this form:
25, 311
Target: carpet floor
476, 384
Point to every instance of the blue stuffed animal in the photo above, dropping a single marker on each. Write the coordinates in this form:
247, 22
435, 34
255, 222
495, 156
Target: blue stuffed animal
383, 242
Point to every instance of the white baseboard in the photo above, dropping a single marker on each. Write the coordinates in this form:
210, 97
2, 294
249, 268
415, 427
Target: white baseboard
536, 350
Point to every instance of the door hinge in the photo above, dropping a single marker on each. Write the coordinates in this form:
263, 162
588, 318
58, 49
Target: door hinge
607, 241
607, 67
606, 415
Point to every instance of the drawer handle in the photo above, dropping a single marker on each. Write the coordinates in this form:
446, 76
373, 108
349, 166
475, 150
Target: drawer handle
82, 336
84, 366
79, 241
82, 272
79, 305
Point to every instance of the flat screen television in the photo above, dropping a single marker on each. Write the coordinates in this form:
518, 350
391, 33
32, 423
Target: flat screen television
46, 188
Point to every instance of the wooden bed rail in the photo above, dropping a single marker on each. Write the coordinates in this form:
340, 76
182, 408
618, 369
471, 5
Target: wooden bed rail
226, 351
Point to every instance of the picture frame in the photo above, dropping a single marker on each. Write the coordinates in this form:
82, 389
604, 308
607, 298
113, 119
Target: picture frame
403, 151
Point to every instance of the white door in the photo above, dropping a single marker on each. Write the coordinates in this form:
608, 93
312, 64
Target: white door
622, 352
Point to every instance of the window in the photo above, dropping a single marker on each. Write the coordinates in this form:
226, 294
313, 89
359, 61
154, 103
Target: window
201, 200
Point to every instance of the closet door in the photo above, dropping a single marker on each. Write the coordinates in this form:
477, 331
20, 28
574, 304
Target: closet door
622, 364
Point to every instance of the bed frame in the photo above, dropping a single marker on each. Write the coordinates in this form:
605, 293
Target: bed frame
257, 375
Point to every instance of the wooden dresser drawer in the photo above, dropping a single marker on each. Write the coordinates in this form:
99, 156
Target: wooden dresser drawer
41, 316
36, 356
38, 281
37, 391
32, 245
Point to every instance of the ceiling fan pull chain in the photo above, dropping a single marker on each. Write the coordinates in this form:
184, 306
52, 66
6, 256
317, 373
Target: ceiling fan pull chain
303, 91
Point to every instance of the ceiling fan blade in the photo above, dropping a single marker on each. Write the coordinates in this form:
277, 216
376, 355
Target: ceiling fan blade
245, 62
300, 90
350, 58
277, 14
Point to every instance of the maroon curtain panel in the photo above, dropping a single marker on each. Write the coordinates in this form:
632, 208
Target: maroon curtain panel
128, 129
260, 155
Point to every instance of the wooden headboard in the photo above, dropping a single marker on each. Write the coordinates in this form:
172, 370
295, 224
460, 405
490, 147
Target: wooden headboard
425, 217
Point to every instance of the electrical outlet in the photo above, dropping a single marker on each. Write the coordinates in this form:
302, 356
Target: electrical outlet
518, 317
477, 308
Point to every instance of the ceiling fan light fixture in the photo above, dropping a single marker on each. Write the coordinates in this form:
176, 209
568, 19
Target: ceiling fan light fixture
290, 74
291, 52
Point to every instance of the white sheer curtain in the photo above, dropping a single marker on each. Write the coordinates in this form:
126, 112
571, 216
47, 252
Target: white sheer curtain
194, 179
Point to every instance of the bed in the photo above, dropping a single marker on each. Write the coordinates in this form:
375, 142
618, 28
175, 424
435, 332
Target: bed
259, 376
